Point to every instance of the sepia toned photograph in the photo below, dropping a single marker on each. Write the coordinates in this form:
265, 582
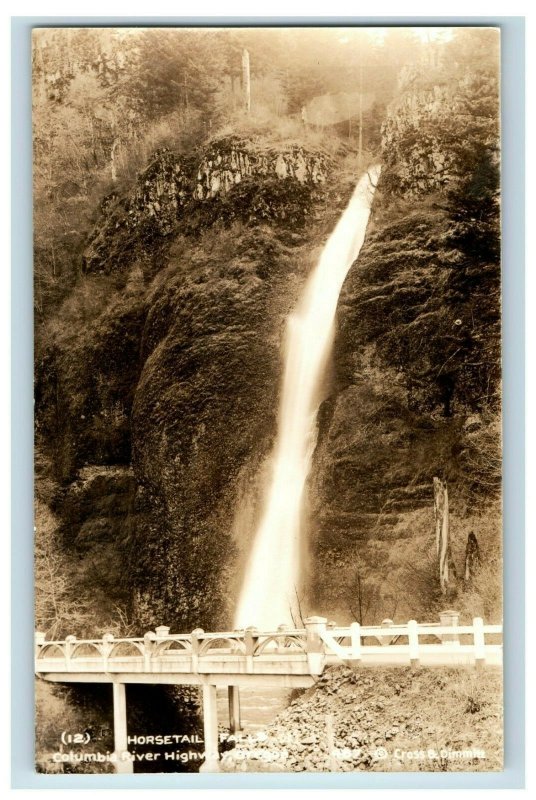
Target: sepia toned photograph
268, 459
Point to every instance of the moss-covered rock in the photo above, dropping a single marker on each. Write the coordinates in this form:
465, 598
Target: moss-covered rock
85, 379
171, 363
416, 361
137, 222
234, 178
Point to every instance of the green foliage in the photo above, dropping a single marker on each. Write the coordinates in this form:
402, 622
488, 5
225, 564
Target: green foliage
76, 589
417, 385
414, 563
434, 273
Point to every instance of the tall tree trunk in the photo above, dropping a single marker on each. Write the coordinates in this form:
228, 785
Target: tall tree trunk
246, 84
447, 571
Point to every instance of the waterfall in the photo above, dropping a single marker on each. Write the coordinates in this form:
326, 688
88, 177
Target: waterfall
270, 589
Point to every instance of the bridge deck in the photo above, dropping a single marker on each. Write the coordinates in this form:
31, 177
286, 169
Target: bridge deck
169, 668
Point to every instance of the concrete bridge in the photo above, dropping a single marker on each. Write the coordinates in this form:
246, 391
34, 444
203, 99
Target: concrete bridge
285, 658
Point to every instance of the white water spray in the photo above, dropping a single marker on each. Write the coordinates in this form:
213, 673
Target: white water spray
270, 590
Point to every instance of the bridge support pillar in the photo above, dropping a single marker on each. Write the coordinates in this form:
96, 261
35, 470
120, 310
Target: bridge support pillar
235, 723
120, 729
210, 726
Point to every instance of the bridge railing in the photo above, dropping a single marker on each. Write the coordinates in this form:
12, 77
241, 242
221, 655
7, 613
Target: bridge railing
393, 643
294, 650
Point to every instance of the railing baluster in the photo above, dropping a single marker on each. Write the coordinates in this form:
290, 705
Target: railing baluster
107, 644
413, 638
40, 640
148, 649
281, 639
355, 634
195, 635
449, 619
479, 641
250, 639
315, 646
68, 650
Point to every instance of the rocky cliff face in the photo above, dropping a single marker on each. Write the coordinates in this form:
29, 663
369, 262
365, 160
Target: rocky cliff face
417, 366
130, 225
157, 385
434, 128
413, 142
381, 439
229, 161
174, 188
204, 405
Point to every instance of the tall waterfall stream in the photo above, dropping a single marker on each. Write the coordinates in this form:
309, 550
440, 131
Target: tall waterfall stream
269, 595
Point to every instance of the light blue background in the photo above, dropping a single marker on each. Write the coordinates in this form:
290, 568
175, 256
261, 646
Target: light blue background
513, 192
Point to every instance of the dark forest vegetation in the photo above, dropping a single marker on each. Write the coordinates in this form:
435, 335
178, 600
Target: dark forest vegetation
162, 282
104, 100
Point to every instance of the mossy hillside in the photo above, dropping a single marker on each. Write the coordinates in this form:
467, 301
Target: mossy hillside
414, 395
